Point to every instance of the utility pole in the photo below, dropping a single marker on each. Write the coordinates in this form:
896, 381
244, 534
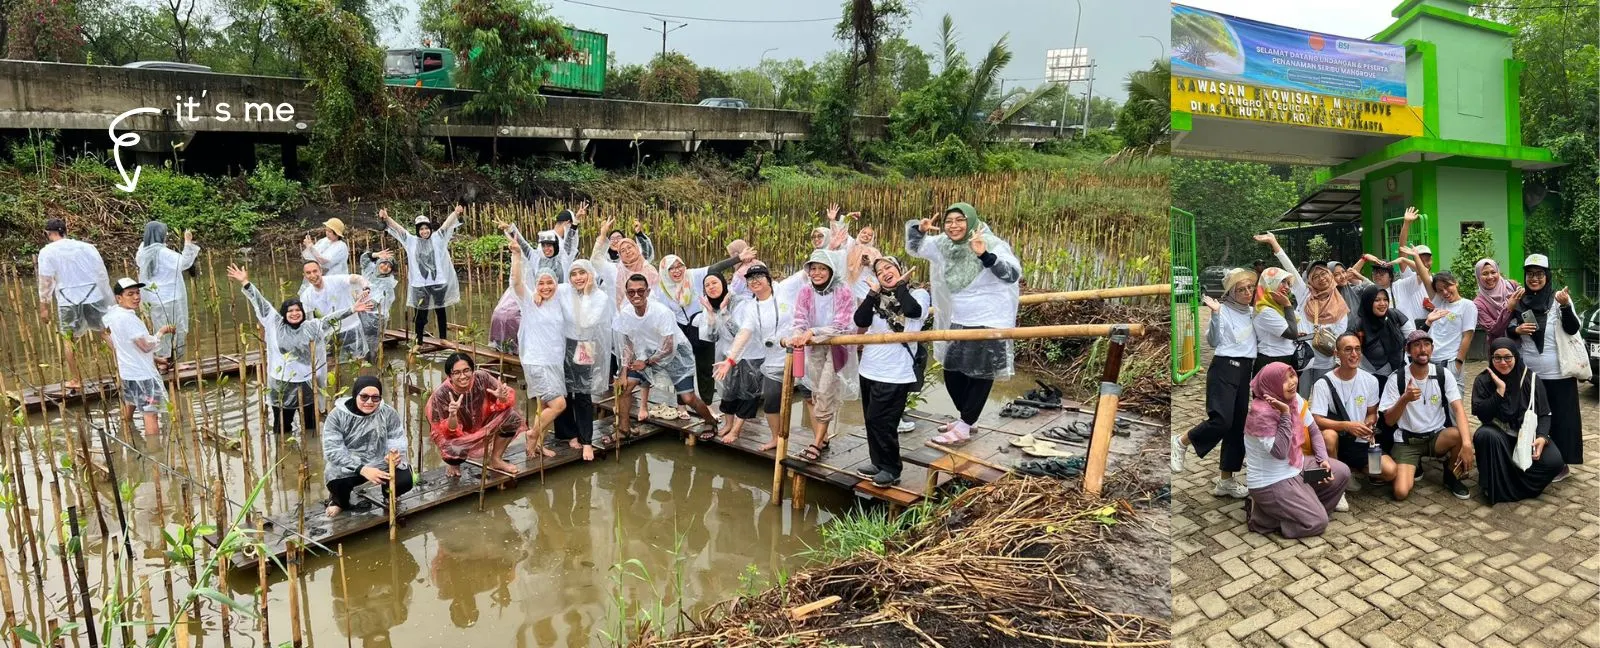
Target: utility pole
664, 31
1088, 96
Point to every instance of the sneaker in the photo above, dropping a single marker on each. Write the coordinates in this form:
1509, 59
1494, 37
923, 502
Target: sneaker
1230, 488
1353, 486
868, 471
1177, 453
906, 426
885, 480
1561, 475
1342, 505
1454, 485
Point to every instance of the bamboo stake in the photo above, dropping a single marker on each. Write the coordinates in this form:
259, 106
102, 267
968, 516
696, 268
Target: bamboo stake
391, 489
83, 578
295, 637
261, 598
1152, 290
1105, 415
782, 432
6, 602
344, 584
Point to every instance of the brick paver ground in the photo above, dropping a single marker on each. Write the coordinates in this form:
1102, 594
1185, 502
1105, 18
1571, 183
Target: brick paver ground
1430, 571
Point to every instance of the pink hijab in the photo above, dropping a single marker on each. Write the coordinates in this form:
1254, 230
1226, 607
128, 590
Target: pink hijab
1263, 418
1491, 301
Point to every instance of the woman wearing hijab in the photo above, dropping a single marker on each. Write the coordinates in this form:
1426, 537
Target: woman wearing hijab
361, 434
161, 272
975, 279
1537, 310
1503, 396
616, 258
466, 410
888, 371
1232, 336
549, 256
431, 284
751, 371
1277, 326
1494, 297
543, 363
588, 312
718, 324
1328, 314
289, 340
1383, 332
680, 291
378, 268
1281, 441
824, 309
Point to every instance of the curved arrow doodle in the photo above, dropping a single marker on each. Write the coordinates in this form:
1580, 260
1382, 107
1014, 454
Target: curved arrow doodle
126, 139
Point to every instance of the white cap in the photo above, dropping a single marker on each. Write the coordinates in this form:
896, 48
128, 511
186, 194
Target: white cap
1422, 249
422, 219
126, 283
1536, 261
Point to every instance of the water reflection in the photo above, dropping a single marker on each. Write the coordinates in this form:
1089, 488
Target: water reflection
379, 600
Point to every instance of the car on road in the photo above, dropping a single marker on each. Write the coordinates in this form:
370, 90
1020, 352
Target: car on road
1182, 283
723, 102
1589, 328
1211, 280
168, 65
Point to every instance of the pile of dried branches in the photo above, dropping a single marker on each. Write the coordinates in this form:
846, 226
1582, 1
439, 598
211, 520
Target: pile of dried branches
996, 567
1075, 365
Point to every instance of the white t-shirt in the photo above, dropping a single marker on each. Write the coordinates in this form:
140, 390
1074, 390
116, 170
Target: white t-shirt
649, 331
337, 254
1269, 326
1460, 316
1427, 414
338, 293
1408, 295
765, 320
541, 338
1356, 394
77, 272
125, 327
1546, 364
1261, 468
892, 363
1236, 332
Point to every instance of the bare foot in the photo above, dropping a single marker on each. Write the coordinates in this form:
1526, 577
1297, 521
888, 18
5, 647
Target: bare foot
573, 443
588, 453
72, 384
770, 445
334, 511
453, 472
644, 415
502, 466
729, 437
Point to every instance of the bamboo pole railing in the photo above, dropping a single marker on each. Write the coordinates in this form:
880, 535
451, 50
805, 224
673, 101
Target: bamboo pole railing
1151, 290
955, 335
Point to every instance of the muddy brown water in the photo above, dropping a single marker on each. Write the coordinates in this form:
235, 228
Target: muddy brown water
552, 564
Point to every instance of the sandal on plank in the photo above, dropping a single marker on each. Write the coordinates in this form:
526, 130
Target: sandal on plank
1025, 440
814, 451
1032, 469
1025, 412
1046, 449
1010, 411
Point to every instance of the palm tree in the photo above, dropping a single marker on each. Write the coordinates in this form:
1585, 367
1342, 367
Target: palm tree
1145, 121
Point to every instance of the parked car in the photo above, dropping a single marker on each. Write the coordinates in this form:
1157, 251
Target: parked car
1590, 323
724, 102
1211, 280
168, 65
1182, 283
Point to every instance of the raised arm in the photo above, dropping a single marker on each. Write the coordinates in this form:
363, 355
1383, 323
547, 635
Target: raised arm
515, 234
264, 311
453, 219
919, 243
1423, 273
394, 229
518, 284
190, 251
1405, 226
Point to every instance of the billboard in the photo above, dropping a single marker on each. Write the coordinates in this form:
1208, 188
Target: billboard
1210, 45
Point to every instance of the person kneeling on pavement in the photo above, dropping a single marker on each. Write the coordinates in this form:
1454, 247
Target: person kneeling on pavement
359, 437
1423, 404
1288, 494
1503, 398
1344, 403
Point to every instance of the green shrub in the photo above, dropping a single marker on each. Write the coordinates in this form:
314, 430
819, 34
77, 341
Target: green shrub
273, 193
36, 153
188, 202
951, 157
1477, 244
1319, 248
487, 251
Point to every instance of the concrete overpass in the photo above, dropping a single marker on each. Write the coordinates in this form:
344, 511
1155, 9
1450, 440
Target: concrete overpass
230, 113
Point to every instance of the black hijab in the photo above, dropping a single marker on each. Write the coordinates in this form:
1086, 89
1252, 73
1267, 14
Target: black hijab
283, 311
716, 303
1506, 411
1381, 338
1539, 302
362, 383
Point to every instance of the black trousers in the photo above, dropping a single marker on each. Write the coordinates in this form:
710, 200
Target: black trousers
703, 362
969, 394
1261, 362
422, 322
882, 405
1227, 403
577, 420
283, 417
339, 489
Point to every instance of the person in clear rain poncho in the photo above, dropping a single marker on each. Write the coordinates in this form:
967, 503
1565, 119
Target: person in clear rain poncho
378, 269
555, 252
361, 434
653, 348
165, 296
330, 251
73, 277
974, 277
718, 323
751, 369
293, 343
823, 309
431, 283
680, 292
588, 313
543, 322
321, 295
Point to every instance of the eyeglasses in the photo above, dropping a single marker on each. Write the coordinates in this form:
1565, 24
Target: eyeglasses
462, 372
1504, 358
638, 291
370, 398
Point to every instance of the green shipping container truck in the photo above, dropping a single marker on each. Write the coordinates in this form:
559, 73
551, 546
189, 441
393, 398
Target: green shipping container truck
432, 67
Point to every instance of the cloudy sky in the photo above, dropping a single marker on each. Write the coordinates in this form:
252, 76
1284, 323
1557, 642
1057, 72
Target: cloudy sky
1351, 18
1111, 29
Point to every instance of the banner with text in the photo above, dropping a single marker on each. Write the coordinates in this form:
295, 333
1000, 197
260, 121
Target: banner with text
1210, 45
1212, 98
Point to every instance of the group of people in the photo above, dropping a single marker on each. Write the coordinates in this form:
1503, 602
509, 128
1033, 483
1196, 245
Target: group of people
1318, 372
718, 336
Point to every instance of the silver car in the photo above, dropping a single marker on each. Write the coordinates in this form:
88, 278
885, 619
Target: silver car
168, 65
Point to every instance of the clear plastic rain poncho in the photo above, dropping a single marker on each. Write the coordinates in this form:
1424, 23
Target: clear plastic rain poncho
830, 372
614, 274
290, 361
506, 319
339, 293
352, 441
383, 285
72, 273
966, 294
645, 336
165, 295
590, 346
542, 324
430, 274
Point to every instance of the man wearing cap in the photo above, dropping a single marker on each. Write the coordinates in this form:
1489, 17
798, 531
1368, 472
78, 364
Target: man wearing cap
1423, 404
1451, 323
135, 349
72, 274
329, 251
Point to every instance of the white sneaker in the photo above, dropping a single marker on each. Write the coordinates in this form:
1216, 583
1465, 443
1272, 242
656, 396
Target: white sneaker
906, 426
1177, 454
1342, 505
1230, 488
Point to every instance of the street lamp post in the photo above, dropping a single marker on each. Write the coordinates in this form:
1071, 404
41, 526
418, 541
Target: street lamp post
1158, 42
1061, 128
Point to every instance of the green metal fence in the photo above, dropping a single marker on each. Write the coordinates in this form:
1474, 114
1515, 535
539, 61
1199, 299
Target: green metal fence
1186, 292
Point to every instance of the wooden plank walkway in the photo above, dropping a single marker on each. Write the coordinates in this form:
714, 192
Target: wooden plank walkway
433, 490
94, 389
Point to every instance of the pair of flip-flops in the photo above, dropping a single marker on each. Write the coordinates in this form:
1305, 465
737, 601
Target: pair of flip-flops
1074, 434
1038, 447
1019, 411
1047, 395
1057, 468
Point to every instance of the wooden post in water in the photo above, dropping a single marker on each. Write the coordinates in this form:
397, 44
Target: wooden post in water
782, 433
1105, 414
83, 578
391, 459
344, 584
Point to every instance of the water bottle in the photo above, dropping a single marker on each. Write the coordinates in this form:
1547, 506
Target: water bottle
1374, 458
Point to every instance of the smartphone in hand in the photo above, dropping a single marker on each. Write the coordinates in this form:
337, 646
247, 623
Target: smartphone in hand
1316, 475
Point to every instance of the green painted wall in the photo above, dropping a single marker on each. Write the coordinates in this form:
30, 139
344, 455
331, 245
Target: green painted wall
1471, 84
1471, 195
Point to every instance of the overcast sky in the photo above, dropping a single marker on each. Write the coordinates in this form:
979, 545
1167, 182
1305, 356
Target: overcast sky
1351, 18
1111, 29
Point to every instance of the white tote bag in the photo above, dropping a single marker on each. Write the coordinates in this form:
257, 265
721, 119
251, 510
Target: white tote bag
1522, 454
1571, 356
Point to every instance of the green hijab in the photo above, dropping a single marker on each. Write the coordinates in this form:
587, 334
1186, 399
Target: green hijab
961, 266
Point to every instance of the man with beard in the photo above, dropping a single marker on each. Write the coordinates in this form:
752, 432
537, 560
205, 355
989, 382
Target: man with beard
1423, 404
